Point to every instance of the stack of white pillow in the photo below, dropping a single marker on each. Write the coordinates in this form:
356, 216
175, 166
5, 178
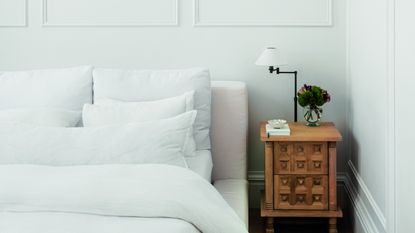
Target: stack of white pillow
137, 116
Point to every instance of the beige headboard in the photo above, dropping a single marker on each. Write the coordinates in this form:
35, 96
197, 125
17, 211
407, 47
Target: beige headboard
229, 130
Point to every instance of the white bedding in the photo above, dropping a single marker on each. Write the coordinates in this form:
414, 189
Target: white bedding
129, 143
201, 163
112, 190
83, 223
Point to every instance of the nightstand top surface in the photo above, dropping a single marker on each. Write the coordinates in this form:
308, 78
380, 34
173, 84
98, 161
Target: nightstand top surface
327, 131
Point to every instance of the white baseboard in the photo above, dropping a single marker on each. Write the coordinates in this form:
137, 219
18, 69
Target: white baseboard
364, 209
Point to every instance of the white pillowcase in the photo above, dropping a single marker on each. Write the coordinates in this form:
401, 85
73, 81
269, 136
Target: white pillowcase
67, 88
164, 141
149, 85
110, 111
41, 117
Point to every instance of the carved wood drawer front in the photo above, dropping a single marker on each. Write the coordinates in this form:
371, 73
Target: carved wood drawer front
300, 158
300, 192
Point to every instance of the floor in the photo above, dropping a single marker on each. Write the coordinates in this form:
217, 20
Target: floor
257, 225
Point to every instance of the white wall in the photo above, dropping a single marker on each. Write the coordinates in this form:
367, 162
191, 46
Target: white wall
318, 53
381, 57
405, 112
368, 82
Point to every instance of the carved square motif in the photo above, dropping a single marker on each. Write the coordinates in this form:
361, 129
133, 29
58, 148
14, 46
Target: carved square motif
283, 148
284, 197
300, 198
284, 164
300, 149
317, 149
284, 181
300, 181
301, 164
317, 164
317, 198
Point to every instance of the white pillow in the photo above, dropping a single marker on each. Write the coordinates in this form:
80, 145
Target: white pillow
148, 85
41, 117
111, 111
59, 88
162, 141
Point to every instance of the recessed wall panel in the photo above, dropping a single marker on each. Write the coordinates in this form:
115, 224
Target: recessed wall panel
262, 12
110, 12
12, 13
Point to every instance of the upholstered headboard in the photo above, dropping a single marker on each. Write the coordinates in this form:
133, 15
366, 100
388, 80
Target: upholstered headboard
229, 130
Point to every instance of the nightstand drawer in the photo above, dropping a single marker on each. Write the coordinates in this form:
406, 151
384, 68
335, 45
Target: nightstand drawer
300, 158
300, 192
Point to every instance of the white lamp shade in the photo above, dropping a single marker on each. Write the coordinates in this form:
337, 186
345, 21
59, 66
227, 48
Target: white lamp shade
271, 57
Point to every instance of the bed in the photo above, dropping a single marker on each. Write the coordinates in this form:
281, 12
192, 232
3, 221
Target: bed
210, 196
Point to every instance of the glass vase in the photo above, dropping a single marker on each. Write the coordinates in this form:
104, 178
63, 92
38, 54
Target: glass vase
313, 114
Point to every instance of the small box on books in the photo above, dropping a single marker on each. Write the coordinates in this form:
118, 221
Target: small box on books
284, 131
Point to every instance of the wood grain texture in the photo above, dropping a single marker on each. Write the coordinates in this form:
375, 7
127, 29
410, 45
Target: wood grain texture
269, 174
333, 225
300, 174
326, 132
299, 213
300, 192
300, 158
333, 176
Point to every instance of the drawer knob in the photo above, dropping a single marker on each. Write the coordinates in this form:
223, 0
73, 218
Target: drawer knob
317, 164
300, 149
285, 181
283, 148
300, 164
300, 198
284, 164
317, 182
301, 181
317, 198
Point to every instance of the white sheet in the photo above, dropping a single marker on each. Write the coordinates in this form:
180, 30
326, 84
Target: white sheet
201, 163
118, 190
84, 223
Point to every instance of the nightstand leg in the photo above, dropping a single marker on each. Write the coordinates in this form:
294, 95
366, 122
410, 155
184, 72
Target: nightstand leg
332, 225
270, 226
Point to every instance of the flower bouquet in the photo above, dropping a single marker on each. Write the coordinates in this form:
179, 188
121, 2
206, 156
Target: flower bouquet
311, 98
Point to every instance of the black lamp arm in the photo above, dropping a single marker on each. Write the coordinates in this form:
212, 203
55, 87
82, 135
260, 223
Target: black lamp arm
277, 71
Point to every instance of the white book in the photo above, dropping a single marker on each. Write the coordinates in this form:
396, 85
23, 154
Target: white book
284, 131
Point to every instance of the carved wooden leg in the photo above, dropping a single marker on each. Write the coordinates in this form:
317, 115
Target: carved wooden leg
270, 225
332, 225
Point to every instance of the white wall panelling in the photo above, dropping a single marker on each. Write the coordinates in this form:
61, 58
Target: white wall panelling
365, 223
13, 13
262, 13
391, 187
404, 114
364, 198
110, 13
370, 68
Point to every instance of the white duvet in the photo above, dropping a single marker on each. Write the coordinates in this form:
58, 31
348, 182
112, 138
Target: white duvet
29, 192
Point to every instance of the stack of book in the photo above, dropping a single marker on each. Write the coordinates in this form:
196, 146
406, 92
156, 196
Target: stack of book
283, 131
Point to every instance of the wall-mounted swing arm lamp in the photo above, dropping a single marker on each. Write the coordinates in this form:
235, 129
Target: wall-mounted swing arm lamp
271, 58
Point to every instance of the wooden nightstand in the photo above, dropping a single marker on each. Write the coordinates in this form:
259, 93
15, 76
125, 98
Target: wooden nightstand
300, 174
